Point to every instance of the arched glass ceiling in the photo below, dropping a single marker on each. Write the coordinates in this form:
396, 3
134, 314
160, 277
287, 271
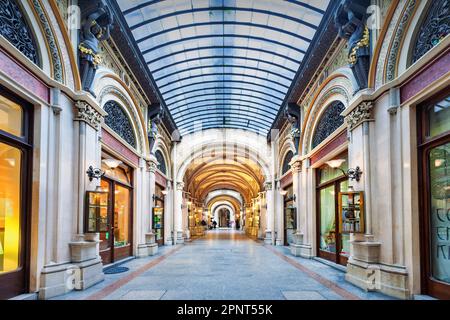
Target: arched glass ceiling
223, 63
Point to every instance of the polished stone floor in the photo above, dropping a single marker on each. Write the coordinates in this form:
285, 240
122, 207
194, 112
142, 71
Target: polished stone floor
225, 264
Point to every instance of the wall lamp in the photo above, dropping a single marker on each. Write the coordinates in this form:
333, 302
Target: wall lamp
94, 173
353, 174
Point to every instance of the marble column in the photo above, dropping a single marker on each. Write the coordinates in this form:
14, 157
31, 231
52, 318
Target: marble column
270, 213
147, 242
178, 213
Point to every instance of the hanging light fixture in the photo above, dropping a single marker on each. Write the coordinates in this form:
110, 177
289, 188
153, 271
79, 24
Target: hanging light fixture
353, 174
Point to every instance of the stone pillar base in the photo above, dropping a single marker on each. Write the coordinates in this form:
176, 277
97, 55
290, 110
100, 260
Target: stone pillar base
365, 271
145, 250
180, 238
84, 271
60, 279
390, 280
301, 250
268, 238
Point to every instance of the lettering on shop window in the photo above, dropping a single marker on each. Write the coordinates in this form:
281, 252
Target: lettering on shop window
443, 234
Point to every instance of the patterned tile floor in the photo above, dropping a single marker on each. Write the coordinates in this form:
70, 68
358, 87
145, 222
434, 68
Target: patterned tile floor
225, 265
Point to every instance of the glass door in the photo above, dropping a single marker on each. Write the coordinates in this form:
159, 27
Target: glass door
290, 216
332, 244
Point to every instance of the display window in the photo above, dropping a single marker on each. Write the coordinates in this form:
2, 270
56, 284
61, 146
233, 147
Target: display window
158, 214
434, 150
15, 167
290, 216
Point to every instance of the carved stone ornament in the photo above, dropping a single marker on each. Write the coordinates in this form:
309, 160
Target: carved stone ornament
86, 113
359, 115
268, 186
151, 166
296, 166
180, 186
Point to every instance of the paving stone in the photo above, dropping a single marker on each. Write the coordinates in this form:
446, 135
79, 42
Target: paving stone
303, 295
142, 295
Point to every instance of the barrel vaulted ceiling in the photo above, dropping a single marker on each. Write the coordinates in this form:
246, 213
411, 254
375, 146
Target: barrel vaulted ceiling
224, 63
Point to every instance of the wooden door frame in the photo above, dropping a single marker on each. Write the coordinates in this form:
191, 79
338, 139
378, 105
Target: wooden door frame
428, 286
25, 145
333, 257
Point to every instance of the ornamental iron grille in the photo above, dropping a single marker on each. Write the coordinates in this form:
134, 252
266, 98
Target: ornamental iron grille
161, 162
15, 29
287, 160
435, 27
118, 121
330, 121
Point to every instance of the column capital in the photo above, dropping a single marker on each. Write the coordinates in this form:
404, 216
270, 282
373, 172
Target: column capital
296, 165
151, 166
180, 186
86, 113
360, 114
268, 186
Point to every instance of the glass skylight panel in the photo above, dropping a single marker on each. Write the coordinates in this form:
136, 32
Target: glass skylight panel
239, 61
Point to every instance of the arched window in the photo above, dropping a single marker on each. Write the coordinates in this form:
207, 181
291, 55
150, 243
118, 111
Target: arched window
287, 160
434, 28
330, 121
16, 30
118, 120
161, 161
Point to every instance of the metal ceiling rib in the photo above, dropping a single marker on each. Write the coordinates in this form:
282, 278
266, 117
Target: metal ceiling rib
224, 63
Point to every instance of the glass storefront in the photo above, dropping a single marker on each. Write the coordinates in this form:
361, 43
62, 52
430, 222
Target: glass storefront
290, 216
434, 126
333, 244
115, 217
158, 215
15, 153
10, 177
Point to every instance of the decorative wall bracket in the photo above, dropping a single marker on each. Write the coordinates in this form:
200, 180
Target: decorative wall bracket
94, 173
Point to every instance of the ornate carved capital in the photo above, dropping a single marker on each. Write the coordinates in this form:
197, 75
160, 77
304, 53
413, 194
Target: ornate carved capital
296, 166
359, 115
151, 166
180, 186
268, 186
85, 112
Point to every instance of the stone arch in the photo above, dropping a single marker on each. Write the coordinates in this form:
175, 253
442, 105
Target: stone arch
203, 148
108, 88
335, 88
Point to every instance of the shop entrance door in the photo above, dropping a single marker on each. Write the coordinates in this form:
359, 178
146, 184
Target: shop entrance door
116, 240
332, 244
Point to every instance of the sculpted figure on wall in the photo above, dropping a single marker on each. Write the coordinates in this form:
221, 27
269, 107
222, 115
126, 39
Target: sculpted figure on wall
350, 20
95, 29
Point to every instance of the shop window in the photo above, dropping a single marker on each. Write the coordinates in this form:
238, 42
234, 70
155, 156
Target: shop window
434, 28
161, 162
287, 160
329, 122
10, 208
11, 117
121, 216
118, 121
15, 29
438, 116
15, 159
434, 147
